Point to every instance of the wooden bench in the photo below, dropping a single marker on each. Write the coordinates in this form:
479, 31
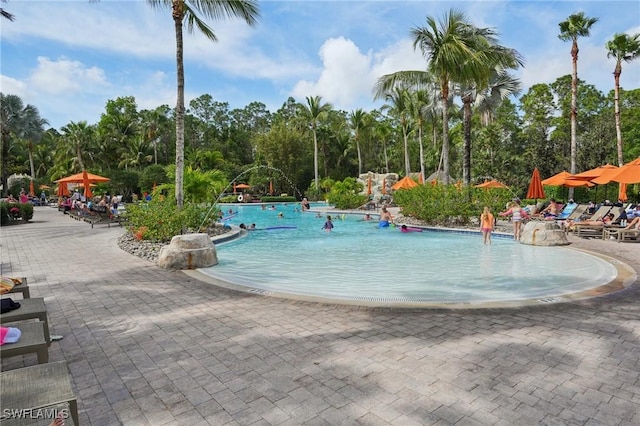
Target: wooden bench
44, 386
31, 341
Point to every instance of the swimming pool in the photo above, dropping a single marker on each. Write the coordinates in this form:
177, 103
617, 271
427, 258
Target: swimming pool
361, 264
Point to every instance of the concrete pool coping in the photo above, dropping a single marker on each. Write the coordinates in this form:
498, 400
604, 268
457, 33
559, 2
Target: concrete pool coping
625, 277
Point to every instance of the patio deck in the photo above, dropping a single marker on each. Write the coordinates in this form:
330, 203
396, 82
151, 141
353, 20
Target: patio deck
147, 346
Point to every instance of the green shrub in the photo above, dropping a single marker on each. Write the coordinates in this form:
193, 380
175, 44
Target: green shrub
447, 205
160, 219
8, 212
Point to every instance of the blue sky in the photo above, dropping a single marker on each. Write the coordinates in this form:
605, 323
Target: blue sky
69, 57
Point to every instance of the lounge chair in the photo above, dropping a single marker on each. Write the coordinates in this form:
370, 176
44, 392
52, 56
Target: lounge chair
571, 211
45, 419
622, 234
41, 386
22, 288
32, 308
31, 341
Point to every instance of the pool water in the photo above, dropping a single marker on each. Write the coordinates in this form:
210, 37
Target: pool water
358, 261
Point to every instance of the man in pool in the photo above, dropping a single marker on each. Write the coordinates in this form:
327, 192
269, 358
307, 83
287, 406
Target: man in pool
385, 218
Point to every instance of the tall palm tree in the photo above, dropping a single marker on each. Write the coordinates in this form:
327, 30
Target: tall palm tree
314, 112
419, 106
77, 139
487, 97
399, 101
11, 117
359, 121
31, 132
622, 47
576, 25
189, 12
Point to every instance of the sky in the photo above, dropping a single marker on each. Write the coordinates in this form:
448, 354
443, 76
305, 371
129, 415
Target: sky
68, 58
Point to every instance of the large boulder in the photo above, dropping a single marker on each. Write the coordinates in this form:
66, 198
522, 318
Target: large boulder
189, 251
543, 233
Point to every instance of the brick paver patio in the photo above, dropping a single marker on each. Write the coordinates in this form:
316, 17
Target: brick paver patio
147, 346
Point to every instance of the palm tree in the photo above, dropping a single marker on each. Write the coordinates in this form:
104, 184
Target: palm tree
399, 107
11, 114
500, 86
314, 112
31, 132
6, 14
76, 140
188, 12
359, 121
625, 48
577, 25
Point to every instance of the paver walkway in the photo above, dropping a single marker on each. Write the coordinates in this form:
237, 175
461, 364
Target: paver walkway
147, 346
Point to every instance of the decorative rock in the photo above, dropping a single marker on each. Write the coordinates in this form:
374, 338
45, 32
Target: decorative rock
549, 233
188, 251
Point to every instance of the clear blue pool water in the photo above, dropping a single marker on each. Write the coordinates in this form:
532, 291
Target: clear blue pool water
358, 261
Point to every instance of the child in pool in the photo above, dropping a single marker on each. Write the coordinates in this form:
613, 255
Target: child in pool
487, 223
328, 225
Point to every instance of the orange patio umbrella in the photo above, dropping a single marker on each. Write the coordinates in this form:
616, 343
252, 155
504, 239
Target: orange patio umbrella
565, 178
622, 192
62, 190
535, 190
242, 186
629, 173
86, 184
608, 175
404, 183
594, 173
492, 184
79, 178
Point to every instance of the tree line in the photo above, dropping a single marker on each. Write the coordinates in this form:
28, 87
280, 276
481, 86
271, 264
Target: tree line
463, 115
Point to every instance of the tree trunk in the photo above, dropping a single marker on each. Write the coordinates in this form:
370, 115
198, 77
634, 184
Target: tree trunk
421, 151
445, 131
466, 159
616, 103
177, 18
574, 112
407, 166
315, 159
386, 157
359, 157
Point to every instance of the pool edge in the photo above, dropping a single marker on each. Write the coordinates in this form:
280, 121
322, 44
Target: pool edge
625, 277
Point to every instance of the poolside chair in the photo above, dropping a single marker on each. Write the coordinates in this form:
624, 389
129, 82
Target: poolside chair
567, 211
621, 234
540, 217
41, 386
32, 308
31, 341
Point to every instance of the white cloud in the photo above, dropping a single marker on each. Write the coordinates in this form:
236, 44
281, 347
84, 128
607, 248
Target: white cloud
348, 75
64, 76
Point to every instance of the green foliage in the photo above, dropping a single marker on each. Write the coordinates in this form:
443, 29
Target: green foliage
199, 186
160, 219
151, 176
15, 211
347, 194
447, 205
